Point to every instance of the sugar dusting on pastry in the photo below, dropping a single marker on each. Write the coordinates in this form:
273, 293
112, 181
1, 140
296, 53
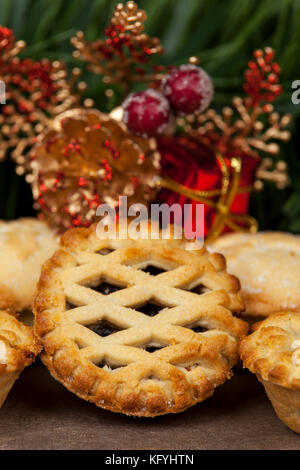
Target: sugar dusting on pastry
268, 266
25, 244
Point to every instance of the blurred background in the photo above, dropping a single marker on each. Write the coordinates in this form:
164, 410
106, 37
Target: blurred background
221, 33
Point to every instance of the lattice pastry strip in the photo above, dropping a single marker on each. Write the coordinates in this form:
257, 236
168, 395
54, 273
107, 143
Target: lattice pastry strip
140, 327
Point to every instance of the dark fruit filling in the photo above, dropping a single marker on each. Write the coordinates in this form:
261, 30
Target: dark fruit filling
199, 329
106, 288
152, 349
105, 251
150, 309
153, 270
200, 289
103, 328
104, 363
69, 306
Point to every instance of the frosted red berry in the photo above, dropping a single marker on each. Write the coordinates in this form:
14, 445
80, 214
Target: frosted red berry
189, 89
146, 113
262, 77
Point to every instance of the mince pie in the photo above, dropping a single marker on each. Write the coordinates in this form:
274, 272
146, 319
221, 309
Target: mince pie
18, 349
24, 245
141, 327
272, 352
268, 267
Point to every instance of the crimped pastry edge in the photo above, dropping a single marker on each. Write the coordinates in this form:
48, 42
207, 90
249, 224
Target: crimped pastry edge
23, 348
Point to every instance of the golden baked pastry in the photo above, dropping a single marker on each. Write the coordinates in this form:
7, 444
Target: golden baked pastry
272, 352
18, 349
268, 267
24, 245
141, 327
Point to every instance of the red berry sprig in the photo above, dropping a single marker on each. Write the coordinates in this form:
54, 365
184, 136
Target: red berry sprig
262, 77
7, 39
29, 85
36, 91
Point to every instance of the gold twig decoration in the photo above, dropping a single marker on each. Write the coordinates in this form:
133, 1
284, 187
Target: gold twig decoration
268, 171
122, 58
245, 133
36, 92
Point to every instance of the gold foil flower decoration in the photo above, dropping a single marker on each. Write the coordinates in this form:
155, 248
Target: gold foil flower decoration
88, 159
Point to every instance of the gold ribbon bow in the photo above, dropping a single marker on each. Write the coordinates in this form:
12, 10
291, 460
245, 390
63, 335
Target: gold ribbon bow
226, 195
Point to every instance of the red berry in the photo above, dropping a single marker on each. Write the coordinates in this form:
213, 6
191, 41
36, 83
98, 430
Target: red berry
188, 89
146, 113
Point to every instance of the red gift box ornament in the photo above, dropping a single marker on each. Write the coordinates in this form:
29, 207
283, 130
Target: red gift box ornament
194, 173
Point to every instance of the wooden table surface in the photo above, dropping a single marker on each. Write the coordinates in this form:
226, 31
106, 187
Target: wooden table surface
41, 414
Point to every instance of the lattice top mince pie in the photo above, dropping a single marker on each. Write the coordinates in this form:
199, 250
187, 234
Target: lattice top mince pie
268, 266
18, 348
141, 327
24, 245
